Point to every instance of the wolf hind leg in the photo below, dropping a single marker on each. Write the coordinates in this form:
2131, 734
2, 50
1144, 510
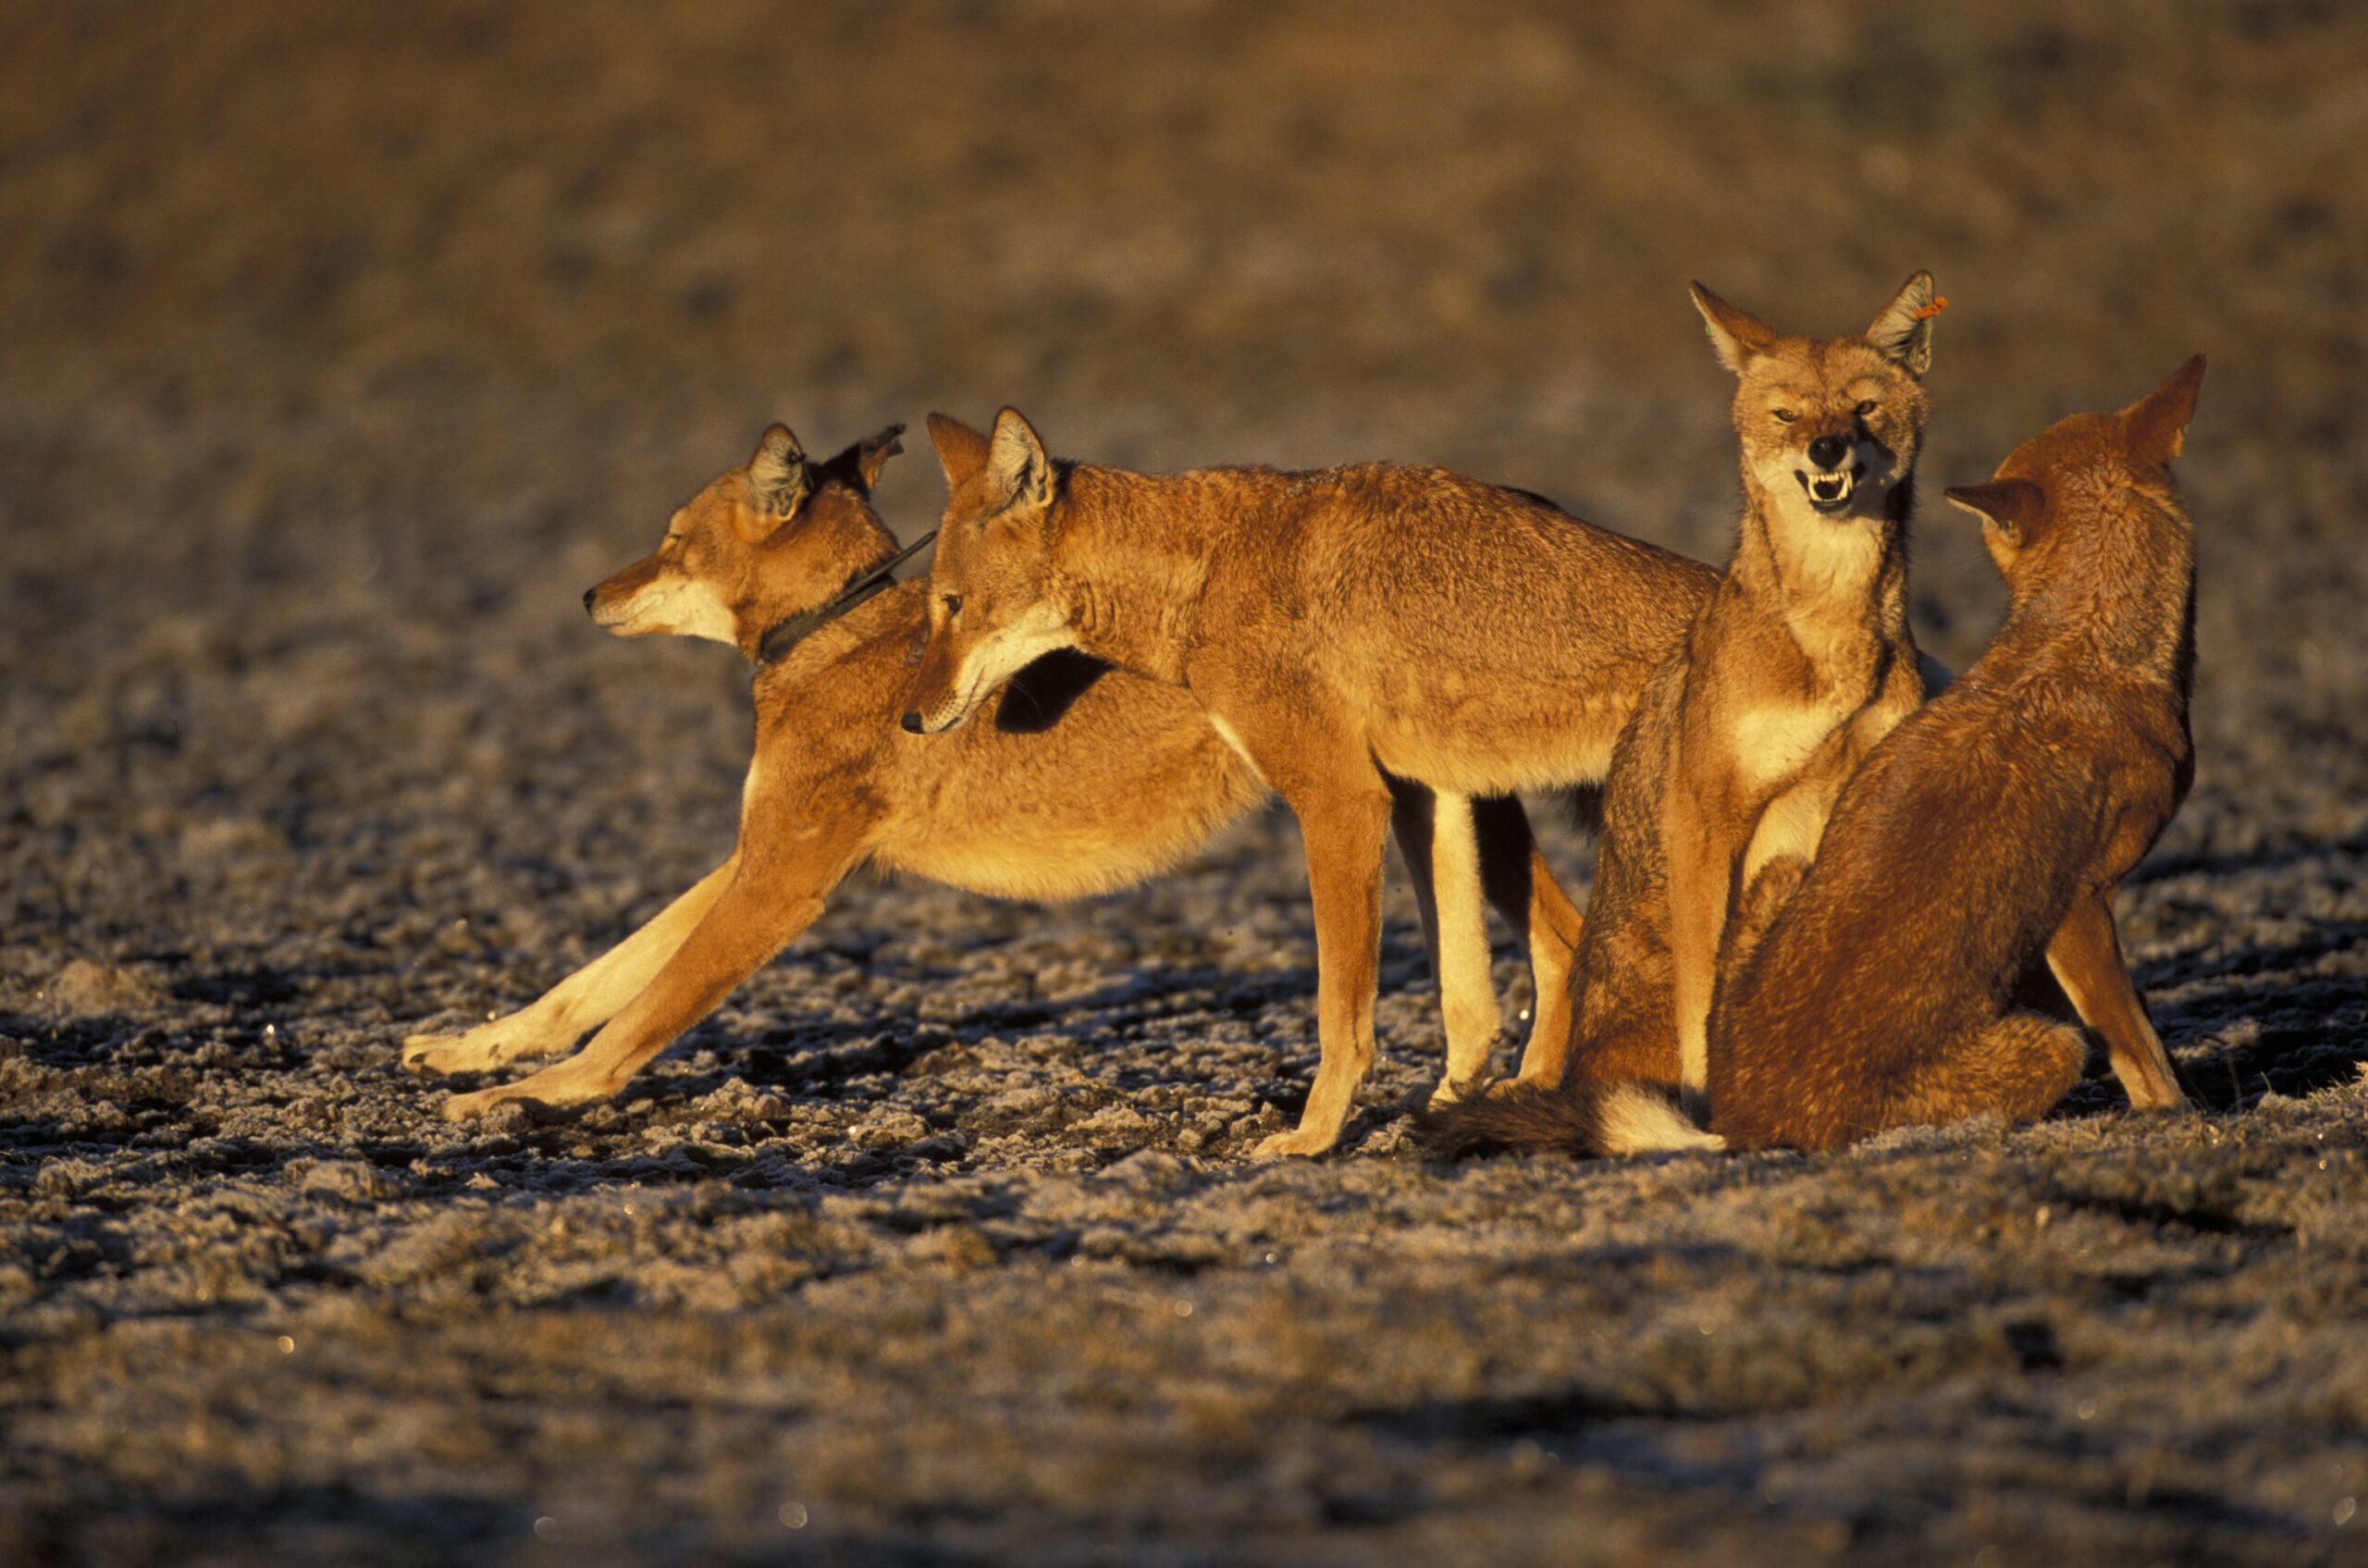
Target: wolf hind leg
1770, 890
2017, 1067
2085, 956
1701, 866
1441, 847
1522, 886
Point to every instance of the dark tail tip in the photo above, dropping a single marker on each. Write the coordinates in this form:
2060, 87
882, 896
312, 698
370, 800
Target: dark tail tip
1515, 1118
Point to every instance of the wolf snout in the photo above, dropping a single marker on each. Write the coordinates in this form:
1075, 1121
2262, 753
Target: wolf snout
589, 595
912, 721
1827, 451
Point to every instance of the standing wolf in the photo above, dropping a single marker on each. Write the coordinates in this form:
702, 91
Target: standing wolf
1342, 630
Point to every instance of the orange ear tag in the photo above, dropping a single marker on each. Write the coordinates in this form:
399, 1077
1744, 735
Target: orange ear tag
1940, 303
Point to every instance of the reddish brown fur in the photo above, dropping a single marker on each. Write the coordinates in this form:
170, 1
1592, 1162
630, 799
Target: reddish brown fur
1697, 814
1796, 666
1802, 660
1798, 662
1089, 778
1992, 826
1341, 627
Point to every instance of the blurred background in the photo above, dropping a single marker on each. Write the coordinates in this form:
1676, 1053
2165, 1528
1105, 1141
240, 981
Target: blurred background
340, 347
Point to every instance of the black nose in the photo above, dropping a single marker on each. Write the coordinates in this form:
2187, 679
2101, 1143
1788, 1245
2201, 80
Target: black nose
1827, 451
588, 597
912, 721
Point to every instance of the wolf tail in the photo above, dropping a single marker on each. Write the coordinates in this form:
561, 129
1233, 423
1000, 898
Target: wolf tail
1589, 1119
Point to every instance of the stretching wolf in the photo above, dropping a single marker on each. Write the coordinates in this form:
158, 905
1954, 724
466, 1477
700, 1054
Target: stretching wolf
1089, 779
1349, 632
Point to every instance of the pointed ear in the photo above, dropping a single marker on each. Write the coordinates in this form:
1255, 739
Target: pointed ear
858, 466
1737, 335
1018, 473
2013, 504
2155, 425
1902, 331
961, 450
778, 478
872, 455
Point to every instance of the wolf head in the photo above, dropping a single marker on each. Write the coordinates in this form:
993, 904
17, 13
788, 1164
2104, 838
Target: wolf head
1829, 426
993, 606
765, 540
2059, 489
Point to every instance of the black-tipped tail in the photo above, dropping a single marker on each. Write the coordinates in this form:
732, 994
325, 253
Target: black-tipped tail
1588, 1120
1513, 1119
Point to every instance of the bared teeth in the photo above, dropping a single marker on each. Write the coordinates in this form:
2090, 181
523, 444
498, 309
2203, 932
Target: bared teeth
1827, 489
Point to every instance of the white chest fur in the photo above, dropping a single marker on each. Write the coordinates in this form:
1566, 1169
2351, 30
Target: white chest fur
1775, 741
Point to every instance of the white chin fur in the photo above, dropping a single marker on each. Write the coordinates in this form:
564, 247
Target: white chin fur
992, 663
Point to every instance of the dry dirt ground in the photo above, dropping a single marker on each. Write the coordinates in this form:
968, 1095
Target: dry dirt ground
340, 347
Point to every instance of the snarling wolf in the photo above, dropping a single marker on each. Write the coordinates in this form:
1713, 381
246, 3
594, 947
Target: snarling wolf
1794, 667
1346, 631
2018, 799
1086, 779
1879, 983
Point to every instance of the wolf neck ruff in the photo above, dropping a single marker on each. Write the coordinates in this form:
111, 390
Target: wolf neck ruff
788, 632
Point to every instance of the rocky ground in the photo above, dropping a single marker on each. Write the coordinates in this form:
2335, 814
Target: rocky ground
340, 348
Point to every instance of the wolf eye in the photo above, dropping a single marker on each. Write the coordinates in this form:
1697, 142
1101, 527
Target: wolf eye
954, 604
1868, 407
1786, 416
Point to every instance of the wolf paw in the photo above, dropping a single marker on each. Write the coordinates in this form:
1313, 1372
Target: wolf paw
546, 1096
498, 1043
1451, 1092
482, 1106
484, 1102
439, 1054
1298, 1143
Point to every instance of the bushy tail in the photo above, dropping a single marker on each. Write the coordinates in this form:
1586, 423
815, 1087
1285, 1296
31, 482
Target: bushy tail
1588, 1120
